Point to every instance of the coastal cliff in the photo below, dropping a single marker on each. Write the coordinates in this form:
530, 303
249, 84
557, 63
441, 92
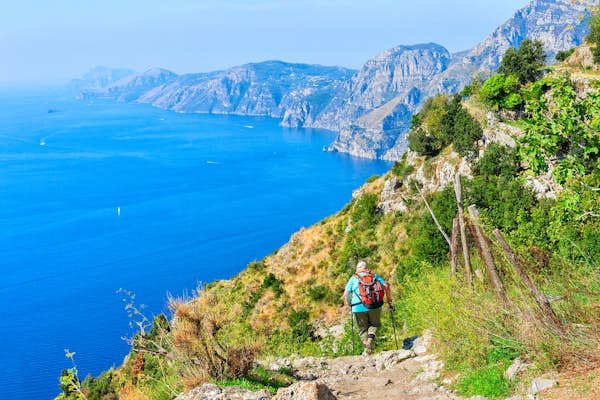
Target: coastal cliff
370, 108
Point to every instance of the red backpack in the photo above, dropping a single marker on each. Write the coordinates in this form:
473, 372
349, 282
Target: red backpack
370, 290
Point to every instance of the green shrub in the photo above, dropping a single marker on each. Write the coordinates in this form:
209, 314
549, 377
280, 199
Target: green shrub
487, 381
271, 281
257, 265
505, 201
320, 293
427, 244
473, 88
299, 322
100, 388
372, 179
423, 144
364, 214
466, 132
429, 131
442, 121
498, 160
401, 169
356, 247
502, 91
564, 54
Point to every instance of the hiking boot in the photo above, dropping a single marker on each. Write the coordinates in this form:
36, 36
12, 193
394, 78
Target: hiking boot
368, 347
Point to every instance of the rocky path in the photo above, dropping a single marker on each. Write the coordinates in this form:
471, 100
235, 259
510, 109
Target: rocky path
388, 375
403, 374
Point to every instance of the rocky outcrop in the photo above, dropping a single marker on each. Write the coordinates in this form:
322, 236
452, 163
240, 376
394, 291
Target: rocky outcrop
395, 73
296, 93
582, 57
390, 200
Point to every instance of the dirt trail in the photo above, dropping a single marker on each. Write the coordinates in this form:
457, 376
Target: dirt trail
388, 375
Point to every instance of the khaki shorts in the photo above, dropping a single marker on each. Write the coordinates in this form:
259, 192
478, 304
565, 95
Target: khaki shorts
368, 322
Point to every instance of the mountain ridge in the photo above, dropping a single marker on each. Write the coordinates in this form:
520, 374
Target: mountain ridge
369, 108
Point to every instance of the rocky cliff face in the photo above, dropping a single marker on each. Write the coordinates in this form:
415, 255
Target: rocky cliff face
381, 99
371, 127
370, 109
294, 92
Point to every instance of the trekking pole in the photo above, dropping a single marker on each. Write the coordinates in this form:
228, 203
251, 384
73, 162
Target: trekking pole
352, 339
394, 325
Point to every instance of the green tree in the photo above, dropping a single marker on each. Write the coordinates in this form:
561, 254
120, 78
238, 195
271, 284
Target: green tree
502, 91
594, 36
466, 132
526, 62
564, 54
431, 127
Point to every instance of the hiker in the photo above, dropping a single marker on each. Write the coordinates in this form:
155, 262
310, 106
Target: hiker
365, 294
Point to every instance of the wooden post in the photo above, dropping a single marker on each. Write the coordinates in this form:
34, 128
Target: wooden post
463, 235
437, 223
541, 300
486, 254
454, 246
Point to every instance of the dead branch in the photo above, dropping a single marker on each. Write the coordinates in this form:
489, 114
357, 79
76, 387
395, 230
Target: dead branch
463, 235
540, 298
454, 246
486, 255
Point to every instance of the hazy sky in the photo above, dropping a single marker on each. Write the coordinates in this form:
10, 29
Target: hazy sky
55, 40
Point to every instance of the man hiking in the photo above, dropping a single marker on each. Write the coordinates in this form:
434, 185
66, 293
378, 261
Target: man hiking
365, 294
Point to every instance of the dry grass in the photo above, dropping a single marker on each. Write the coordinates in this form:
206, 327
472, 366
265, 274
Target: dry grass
576, 385
200, 346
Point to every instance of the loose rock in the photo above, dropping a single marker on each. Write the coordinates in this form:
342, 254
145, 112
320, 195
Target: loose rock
541, 384
305, 391
210, 391
515, 368
422, 343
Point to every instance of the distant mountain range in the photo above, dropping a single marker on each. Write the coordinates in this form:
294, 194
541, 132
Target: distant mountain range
370, 108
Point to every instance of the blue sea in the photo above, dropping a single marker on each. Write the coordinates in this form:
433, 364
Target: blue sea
97, 196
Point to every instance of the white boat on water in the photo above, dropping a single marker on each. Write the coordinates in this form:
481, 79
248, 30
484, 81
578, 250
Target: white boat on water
118, 211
